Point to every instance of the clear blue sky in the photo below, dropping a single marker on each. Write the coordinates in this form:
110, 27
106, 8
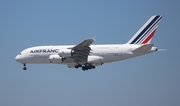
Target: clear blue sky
150, 80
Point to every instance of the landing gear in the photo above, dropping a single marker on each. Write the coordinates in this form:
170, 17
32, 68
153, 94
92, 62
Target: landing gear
87, 67
24, 68
77, 66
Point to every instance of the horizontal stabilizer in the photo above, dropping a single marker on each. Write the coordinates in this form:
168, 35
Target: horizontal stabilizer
143, 48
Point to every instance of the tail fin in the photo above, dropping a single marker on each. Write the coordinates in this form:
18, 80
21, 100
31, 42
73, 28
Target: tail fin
146, 32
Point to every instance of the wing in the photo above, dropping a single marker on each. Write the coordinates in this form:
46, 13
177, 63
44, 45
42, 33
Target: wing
81, 51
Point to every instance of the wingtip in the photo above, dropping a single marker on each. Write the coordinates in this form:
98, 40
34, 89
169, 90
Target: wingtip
94, 38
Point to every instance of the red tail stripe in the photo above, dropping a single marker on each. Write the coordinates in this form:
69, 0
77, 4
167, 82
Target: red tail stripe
149, 37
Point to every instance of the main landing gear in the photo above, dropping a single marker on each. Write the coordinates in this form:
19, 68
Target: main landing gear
77, 66
24, 68
85, 67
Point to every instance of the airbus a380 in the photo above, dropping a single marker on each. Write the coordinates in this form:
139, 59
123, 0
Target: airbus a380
87, 56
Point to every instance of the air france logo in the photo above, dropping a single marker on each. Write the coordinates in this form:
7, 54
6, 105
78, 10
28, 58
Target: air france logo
44, 51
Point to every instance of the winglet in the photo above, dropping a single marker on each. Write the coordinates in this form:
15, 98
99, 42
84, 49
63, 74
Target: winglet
94, 38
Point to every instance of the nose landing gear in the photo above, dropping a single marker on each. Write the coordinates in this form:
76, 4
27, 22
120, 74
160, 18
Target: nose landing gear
24, 68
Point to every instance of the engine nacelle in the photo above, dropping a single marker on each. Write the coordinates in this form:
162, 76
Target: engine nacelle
55, 59
95, 59
65, 52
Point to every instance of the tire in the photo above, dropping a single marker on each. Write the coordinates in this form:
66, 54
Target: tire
24, 68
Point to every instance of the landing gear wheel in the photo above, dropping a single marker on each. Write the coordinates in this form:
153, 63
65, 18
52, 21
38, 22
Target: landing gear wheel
83, 68
78, 65
24, 68
87, 67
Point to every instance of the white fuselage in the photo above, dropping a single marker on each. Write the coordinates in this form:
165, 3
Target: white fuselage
87, 56
105, 53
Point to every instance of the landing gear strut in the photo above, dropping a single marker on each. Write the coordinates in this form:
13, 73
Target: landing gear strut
24, 68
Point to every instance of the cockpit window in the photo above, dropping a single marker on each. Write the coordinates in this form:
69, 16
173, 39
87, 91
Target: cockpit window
19, 53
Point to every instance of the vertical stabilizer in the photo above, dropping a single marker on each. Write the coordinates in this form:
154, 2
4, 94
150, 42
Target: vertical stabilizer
146, 32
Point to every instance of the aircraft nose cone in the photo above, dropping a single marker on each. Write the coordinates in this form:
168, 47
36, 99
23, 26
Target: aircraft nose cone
17, 58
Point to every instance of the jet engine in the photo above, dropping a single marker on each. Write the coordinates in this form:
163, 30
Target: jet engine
55, 59
66, 52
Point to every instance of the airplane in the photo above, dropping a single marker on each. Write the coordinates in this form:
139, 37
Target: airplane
87, 56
